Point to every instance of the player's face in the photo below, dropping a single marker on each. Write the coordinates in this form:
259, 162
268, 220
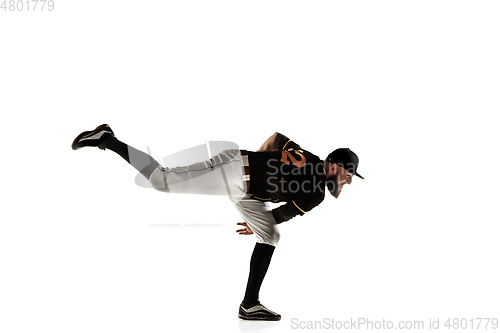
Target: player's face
341, 178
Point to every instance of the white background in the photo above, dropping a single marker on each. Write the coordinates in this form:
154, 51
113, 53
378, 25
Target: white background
411, 87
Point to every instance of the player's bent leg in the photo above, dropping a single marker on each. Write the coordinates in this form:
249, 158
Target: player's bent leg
259, 217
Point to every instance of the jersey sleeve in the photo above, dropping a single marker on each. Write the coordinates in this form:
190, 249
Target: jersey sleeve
284, 143
299, 206
286, 212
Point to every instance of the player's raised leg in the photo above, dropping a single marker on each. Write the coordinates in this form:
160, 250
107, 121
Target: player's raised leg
103, 137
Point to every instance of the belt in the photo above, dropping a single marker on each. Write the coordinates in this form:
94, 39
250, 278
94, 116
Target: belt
246, 169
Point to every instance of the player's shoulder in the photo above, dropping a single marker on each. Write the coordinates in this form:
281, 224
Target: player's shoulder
285, 143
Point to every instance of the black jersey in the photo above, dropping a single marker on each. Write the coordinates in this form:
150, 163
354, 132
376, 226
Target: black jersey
290, 174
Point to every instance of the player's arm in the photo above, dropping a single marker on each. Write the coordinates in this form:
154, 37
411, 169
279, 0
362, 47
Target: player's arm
301, 204
286, 212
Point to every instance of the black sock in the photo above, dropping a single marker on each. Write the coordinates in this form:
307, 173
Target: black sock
261, 258
141, 161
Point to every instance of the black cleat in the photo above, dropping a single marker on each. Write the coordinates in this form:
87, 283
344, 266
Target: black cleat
257, 312
93, 138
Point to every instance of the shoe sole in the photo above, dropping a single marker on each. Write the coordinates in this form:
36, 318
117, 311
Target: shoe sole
259, 318
90, 135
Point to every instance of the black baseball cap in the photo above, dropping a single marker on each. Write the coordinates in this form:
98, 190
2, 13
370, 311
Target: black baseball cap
345, 158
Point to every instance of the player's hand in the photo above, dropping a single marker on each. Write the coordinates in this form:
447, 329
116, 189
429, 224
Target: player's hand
246, 230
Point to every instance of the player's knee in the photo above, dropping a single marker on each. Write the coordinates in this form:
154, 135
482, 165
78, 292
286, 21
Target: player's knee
276, 237
157, 181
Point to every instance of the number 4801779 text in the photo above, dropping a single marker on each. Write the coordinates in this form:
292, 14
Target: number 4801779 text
27, 5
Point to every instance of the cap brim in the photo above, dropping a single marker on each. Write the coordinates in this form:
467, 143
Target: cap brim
357, 174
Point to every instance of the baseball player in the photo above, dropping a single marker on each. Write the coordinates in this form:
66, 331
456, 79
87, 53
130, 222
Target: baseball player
279, 171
